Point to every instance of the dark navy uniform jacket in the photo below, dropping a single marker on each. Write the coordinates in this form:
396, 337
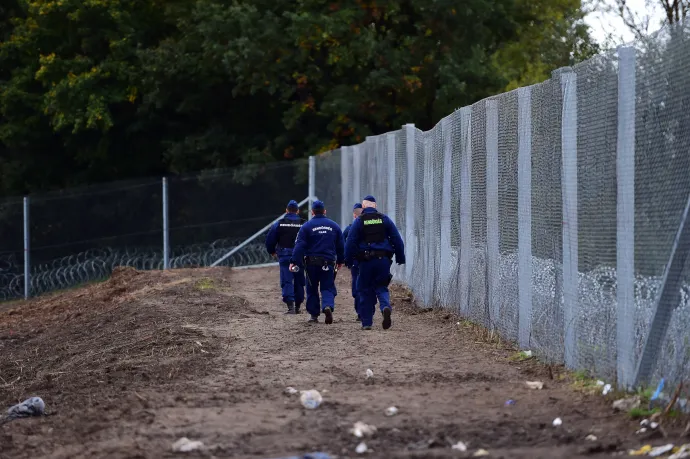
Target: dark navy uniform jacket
291, 224
392, 242
319, 237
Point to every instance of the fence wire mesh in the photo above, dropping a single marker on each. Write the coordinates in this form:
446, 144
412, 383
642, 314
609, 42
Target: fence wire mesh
553, 214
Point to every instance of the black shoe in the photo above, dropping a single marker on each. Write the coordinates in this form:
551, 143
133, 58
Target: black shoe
313, 320
359, 318
366, 327
297, 310
291, 308
329, 315
387, 322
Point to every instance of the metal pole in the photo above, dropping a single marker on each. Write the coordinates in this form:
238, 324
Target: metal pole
166, 227
254, 236
312, 182
27, 262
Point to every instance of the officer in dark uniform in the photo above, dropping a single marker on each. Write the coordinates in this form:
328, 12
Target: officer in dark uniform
372, 241
319, 252
280, 242
354, 270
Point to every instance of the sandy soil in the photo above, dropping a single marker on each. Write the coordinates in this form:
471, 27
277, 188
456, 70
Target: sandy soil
129, 366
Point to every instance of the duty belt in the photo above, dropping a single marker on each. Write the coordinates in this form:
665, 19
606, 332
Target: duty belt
318, 261
367, 255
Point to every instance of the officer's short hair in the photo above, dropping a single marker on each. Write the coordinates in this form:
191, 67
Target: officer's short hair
319, 211
357, 211
367, 204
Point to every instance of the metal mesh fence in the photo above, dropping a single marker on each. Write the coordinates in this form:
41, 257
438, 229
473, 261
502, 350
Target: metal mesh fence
79, 235
554, 214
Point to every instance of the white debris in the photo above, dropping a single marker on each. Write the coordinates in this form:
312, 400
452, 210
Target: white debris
600, 383
644, 422
654, 425
641, 431
198, 343
660, 450
682, 453
557, 422
481, 453
370, 374
311, 399
527, 353
460, 446
607, 389
591, 437
627, 404
361, 448
291, 391
185, 445
391, 411
361, 429
535, 385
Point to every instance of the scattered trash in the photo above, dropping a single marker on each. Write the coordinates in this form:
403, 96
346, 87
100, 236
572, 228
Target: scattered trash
361, 448
658, 390
682, 453
291, 391
370, 374
607, 389
311, 399
627, 404
391, 411
361, 429
653, 425
481, 453
660, 450
557, 422
198, 343
641, 431
185, 445
510, 402
640, 452
591, 437
600, 383
310, 456
33, 406
536, 385
527, 353
460, 446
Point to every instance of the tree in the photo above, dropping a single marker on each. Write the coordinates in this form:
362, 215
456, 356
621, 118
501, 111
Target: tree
674, 12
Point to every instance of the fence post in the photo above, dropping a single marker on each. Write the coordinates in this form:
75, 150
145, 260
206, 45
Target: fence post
356, 193
427, 242
492, 235
625, 239
410, 245
524, 215
166, 226
345, 187
27, 257
391, 202
465, 208
445, 271
569, 195
312, 182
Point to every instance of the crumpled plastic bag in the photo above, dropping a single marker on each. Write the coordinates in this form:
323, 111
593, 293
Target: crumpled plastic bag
309, 456
34, 406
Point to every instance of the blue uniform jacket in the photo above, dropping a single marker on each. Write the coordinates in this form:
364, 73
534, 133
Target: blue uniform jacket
272, 238
345, 233
319, 237
392, 243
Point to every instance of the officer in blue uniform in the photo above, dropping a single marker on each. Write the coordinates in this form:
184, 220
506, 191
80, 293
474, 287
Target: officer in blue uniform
280, 242
372, 241
354, 270
319, 252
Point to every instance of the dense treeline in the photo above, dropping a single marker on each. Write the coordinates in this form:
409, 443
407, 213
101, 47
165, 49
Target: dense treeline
98, 90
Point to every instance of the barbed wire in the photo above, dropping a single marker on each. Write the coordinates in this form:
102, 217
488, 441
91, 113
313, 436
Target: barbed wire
97, 264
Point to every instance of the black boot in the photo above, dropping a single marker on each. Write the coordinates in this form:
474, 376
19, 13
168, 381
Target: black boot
291, 307
387, 322
297, 306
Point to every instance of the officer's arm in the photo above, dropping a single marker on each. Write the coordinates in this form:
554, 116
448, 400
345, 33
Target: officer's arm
395, 240
346, 231
300, 248
272, 239
351, 242
339, 247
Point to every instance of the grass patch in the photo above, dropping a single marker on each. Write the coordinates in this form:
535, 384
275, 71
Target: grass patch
521, 356
205, 283
641, 413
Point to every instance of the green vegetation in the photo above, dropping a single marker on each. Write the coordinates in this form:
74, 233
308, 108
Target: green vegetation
99, 90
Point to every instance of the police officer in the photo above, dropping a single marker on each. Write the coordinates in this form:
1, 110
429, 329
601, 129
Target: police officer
280, 242
319, 252
372, 241
354, 270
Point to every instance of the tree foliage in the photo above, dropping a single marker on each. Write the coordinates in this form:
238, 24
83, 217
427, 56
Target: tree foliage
95, 90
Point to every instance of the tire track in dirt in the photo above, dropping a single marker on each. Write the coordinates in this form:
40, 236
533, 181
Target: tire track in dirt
447, 386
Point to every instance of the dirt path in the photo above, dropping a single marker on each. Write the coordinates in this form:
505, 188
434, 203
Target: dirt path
213, 354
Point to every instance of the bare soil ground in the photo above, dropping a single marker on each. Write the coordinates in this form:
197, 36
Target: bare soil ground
128, 366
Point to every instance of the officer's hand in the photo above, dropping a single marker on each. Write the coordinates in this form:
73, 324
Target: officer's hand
340, 265
292, 267
274, 255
